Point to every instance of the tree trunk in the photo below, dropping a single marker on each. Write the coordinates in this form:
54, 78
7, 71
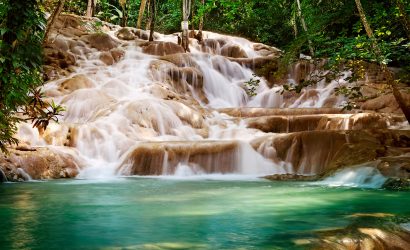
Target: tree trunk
192, 18
90, 8
53, 18
124, 18
147, 25
141, 13
186, 7
404, 18
201, 23
389, 76
302, 20
152, 20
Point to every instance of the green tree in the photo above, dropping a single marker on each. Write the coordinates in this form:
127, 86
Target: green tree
21, 36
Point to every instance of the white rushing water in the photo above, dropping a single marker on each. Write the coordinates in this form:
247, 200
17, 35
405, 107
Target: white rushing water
358, 176
137, 100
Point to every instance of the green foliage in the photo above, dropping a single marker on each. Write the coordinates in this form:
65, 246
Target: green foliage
109, 11
21, 39
251, 86
20, 60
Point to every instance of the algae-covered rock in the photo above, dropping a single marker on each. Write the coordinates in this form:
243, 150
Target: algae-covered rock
397, 184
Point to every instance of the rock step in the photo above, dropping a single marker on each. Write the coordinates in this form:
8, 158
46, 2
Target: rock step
321, 152
158, 158
256, 112
297, 123
302, 153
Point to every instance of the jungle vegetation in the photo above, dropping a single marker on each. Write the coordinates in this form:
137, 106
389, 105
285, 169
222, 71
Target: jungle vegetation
345, 33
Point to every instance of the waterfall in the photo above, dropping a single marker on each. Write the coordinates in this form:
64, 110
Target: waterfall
141, 108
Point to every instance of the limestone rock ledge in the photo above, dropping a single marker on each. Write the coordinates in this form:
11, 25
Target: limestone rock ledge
322, 152
24, 164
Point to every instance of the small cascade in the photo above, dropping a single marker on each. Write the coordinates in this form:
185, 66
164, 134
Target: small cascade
140, 108
359, 176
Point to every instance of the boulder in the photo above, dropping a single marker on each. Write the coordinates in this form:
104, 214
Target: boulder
107, 58
75, 83
100, 41
385, 103
159, 48
37, 164
265, 50
144, 34
117, 54
69, 21
125, 34
58, 58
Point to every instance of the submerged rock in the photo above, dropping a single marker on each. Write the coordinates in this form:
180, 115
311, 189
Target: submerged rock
365, 231
291, 177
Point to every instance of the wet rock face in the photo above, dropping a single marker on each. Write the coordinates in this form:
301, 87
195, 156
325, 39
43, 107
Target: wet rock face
164, 157
265, 50
260, 112
318, 152
159, 48
233, 51
212, 46
395, 166
183, 80
37, 164
296, 123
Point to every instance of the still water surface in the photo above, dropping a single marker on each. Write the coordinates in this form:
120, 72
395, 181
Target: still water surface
149, 213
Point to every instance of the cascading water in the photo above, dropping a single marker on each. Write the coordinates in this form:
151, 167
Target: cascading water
359, 176
116, 110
